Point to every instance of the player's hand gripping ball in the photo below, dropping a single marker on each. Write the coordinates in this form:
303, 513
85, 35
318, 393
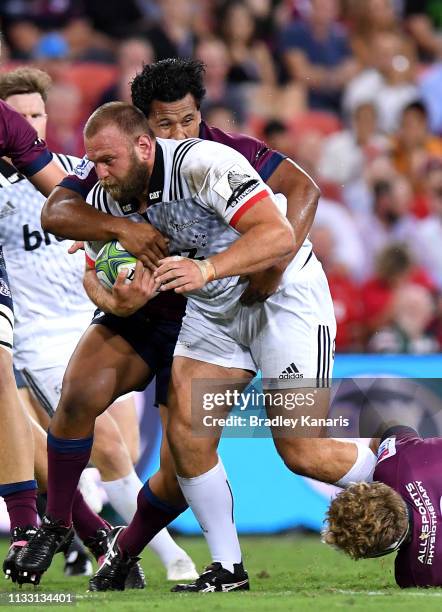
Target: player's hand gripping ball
111, 260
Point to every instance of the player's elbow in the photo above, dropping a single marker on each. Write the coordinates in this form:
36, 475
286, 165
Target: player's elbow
49, 216
53, 212
283, 239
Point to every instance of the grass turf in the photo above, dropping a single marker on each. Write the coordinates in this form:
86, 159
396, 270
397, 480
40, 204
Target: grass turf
287, 573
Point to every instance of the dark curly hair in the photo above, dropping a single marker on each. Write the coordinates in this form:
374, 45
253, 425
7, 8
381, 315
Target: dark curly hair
168, 80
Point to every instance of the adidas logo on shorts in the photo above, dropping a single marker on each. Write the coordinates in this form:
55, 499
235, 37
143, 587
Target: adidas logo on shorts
291, 372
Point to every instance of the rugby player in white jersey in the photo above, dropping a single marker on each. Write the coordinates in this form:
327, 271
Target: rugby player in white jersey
197, 201
40, 265
29, 154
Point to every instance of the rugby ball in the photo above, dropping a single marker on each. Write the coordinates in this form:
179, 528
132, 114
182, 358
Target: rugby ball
111, 260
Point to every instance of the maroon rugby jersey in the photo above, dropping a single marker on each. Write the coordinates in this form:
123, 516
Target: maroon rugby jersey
19, 141
169, 304
412, 466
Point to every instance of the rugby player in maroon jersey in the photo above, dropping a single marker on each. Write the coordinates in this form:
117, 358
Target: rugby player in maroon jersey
400, 511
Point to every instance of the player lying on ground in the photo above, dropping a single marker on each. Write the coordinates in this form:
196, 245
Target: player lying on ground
42, 267
400, 512
127, 156
19, 142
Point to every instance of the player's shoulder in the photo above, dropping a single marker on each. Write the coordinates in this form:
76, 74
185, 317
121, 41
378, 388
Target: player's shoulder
238, 141
66, 162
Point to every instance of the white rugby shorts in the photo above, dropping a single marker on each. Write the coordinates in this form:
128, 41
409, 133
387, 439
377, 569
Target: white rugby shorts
290, 337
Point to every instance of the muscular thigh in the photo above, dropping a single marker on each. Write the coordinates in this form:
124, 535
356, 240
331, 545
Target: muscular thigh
103, 367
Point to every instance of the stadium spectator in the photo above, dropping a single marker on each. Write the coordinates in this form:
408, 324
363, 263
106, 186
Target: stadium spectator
430, 90
422, 20
368, 19
222, 117
214, 54
390, 220
395, 268
22, 37
132, 54
348, 250
345, 153
389, 82
250, 59
278, 136
64, 131
172, 35
412, 312
412, 148
316, 52
427, 244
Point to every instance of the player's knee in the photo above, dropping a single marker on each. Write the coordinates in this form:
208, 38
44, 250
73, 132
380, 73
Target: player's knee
293, 452
79, 402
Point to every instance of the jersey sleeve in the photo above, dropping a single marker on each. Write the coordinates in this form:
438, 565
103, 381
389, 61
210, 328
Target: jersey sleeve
20, 142
394, 442
260, 157
225, 181
82, 179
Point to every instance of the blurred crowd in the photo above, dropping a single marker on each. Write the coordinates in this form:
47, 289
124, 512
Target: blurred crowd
350, 89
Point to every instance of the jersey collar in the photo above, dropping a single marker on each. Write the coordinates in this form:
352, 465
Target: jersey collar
156, 182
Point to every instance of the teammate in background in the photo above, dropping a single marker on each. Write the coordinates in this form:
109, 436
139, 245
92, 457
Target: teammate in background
18, 487
40, 265
215, 182
399, 512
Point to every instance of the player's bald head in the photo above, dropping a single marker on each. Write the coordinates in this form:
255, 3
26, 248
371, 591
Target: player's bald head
128, 119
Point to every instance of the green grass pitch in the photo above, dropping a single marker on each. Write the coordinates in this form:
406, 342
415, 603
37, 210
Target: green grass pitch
290, 572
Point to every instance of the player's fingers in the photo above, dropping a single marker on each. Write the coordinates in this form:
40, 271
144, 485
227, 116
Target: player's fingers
78, 245
119, 281
170, 275
138, 272
175, 283
169, 263
162, 245
185, 288
148, 262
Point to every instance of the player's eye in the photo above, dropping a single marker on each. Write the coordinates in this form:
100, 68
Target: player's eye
188, 120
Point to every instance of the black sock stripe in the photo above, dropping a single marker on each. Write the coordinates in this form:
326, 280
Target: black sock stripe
3, 314
231, 495
4, 343
46, 404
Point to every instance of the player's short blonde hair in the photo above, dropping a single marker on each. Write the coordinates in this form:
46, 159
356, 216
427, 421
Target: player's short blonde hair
366, 520
24, 80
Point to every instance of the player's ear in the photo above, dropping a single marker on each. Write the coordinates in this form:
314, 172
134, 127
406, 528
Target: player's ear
144, 144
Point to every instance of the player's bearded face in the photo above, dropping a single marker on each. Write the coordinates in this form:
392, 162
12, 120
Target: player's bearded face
132, 184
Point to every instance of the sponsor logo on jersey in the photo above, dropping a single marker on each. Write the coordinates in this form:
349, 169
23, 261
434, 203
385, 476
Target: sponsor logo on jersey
8, 209
428, 521
178, 227
83, 169
241, 185
34, 239
155, 195
386, 449
4, 289
291, 372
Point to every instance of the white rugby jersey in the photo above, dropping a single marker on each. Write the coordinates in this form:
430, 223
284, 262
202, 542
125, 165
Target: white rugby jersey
198, 191
46, 282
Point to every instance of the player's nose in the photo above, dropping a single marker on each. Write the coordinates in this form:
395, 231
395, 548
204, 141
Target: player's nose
179, 133
101, 171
